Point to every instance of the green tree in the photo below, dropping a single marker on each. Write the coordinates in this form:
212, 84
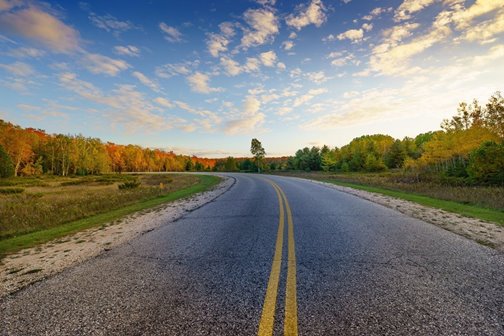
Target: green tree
6, 165
395, 156
258, 152
486, 163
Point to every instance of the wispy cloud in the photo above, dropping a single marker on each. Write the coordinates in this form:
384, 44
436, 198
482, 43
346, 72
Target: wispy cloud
127, 50
43, 27
111, 24
100, 64
146, 81
171, 34
249, 120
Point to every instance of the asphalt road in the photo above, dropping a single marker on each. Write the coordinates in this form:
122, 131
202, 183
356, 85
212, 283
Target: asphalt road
347, 267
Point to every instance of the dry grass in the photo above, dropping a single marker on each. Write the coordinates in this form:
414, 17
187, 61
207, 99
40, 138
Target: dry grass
486, 197
50, 201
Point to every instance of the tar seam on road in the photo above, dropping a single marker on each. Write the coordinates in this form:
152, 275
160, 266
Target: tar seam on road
268, 314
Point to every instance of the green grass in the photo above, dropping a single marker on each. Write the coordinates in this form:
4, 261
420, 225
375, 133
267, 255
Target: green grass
491, 215
17, 243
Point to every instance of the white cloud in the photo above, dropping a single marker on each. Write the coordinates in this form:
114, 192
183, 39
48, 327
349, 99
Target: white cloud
249, 120
164, 102
146, 81
127, 50
18, 69
171, 34
35, 24
268, 58
354, 35
486, 30
367, 26
199, 83
409, 7
313, 14
25, 52
263, 27
292, 35
308, 96
318, 77
124, 106
218, 43
111, 24
99, 64
281, 66
231, 67
288, 45
170, 70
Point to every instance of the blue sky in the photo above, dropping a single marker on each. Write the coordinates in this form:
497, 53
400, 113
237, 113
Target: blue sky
204, 77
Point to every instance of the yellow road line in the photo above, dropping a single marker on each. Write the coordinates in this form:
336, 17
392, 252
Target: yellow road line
268, 314
290, 323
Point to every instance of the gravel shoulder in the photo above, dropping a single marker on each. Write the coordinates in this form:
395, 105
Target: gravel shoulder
34, 264
486, 233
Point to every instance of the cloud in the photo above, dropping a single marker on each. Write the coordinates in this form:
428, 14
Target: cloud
171, 34
170, 70
18, 69
318, 77
146, 81
25, 52
128, 50
367, 26
164, 102
111, 24
313, 14
288, 45
308, 96
124, 105
354, 35
268, 58
281, 66
343, 58
486, 30
199, 83
463, 17
99, 64
40, 26
249, 120
263, 26
217, 43
231, 67
409, 7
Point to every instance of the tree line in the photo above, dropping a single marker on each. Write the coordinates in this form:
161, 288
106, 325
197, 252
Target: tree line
468, 149
28, 151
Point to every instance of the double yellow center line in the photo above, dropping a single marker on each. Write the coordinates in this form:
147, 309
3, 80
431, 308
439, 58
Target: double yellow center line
268, 313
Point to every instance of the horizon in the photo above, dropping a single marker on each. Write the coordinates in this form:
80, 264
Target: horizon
204, 79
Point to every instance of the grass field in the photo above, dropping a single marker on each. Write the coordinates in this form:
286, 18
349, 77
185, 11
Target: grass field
485, 203
51, 207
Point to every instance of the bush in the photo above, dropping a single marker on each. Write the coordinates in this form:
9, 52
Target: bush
486, 164
129, 185
6, 165
11, 191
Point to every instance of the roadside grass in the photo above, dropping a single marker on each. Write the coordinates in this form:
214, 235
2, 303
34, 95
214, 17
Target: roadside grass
486, 203
459, 208
145, 197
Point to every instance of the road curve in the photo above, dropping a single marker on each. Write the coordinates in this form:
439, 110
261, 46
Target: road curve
358, 269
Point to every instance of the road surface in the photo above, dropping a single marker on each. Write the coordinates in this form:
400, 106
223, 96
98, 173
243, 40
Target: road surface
275, 255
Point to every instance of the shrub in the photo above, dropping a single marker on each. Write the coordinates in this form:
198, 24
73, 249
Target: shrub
6, 165
129, 185
11, 191
486, 163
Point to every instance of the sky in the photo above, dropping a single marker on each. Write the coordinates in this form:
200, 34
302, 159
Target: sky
205, 77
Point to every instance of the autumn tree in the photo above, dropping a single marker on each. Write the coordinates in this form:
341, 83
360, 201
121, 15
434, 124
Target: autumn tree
258, 152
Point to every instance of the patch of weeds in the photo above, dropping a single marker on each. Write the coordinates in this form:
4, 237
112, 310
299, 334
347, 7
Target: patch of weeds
129, 185
11, 191
485, 243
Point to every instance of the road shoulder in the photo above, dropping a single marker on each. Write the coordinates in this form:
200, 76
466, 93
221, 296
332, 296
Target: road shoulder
485, 233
